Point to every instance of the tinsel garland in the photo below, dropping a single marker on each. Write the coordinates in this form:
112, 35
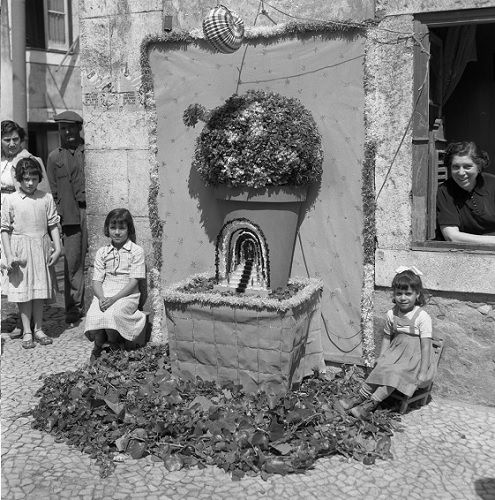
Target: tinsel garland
175, 295
254, 34
369, 237
156, 225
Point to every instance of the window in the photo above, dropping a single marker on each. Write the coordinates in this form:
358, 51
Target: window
454, 85
48, 24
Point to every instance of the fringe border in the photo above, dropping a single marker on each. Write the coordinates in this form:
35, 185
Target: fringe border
173, 295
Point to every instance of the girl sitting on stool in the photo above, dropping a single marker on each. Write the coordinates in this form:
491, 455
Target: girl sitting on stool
114, 316
406, 357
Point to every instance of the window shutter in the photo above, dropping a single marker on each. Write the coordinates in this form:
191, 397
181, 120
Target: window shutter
35, 27
421, 138
437, 173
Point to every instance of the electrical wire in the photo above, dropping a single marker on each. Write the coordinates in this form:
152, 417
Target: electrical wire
239, 70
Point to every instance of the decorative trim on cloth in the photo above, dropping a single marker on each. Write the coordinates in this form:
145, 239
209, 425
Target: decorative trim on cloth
175, 296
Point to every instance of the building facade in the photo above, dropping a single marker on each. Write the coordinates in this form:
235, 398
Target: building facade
40, 52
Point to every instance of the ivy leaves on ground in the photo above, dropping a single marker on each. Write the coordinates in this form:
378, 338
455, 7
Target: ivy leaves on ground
128, 404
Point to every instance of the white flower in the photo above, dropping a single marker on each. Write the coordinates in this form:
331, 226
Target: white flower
231, 136
256, 128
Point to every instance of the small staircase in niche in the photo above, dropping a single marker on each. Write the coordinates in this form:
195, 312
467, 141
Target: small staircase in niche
245, 276
242, 259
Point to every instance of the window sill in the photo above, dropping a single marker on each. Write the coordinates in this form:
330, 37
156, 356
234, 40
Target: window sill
448, 246
51, 50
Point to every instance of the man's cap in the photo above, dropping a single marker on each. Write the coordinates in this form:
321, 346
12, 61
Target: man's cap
68, 116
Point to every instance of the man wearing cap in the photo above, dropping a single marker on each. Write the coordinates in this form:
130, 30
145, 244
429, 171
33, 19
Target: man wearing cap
65, 169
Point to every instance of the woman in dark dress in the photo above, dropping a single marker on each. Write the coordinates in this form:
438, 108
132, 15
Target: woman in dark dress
466, 201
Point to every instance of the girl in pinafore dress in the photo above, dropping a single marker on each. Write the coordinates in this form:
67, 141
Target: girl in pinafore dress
27, 216
114, 316
406, 357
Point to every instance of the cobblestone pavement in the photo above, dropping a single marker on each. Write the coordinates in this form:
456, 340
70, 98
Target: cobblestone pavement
447, 450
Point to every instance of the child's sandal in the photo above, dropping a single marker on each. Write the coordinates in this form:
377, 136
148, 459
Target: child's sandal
42, 338
27, 341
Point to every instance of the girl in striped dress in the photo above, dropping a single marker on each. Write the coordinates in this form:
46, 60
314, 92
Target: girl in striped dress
406, 358
114, 314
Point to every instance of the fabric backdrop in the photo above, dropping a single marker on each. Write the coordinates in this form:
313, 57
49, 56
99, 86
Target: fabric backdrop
326, 73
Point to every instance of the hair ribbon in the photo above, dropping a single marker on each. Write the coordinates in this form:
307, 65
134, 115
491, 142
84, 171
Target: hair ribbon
413, 269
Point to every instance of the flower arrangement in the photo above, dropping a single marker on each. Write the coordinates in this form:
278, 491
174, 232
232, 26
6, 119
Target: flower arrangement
255, 140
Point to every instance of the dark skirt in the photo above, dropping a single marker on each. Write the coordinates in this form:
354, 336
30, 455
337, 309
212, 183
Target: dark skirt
399, 365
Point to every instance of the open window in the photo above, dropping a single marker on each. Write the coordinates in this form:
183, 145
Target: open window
454, 85
48, 24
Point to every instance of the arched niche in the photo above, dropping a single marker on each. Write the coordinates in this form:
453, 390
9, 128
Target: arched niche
242, 258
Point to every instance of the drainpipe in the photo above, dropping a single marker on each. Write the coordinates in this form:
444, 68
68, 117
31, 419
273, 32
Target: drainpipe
19, 62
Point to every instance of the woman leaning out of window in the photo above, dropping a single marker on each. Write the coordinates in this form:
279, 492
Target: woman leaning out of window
466, 201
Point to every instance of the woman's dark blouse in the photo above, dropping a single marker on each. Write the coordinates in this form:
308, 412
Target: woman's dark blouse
472, 212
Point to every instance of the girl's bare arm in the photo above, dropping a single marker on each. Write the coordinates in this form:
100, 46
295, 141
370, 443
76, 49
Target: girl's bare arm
131, 287
425, 358
98, 289
55, 234
7, 248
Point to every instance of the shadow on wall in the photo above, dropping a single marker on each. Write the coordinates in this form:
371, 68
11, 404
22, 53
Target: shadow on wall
213, 213
485, 488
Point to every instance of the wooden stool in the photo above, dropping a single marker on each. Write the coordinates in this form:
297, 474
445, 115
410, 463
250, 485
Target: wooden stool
422, 394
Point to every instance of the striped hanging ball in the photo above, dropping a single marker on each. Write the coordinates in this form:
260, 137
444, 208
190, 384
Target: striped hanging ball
223, 29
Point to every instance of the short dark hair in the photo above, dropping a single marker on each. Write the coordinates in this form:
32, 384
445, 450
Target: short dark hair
8, 126
120, 214
466, 148
406, 279
28, 165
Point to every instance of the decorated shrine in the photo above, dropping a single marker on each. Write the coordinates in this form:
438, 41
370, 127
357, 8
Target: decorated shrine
260, 184
252, 132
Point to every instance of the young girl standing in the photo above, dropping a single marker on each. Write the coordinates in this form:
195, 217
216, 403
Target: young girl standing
114, 315
406, 357
27, 217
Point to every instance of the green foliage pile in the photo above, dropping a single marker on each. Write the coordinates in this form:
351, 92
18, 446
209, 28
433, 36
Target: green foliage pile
128, 404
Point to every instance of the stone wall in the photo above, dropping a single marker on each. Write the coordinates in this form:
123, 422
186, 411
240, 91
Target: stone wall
467, 325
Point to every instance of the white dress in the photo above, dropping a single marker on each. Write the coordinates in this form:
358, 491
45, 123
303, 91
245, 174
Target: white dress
114, 268
9, 185
27, 218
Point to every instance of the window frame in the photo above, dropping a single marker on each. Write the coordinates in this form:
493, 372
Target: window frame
49, 45
52, 45
424, 179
